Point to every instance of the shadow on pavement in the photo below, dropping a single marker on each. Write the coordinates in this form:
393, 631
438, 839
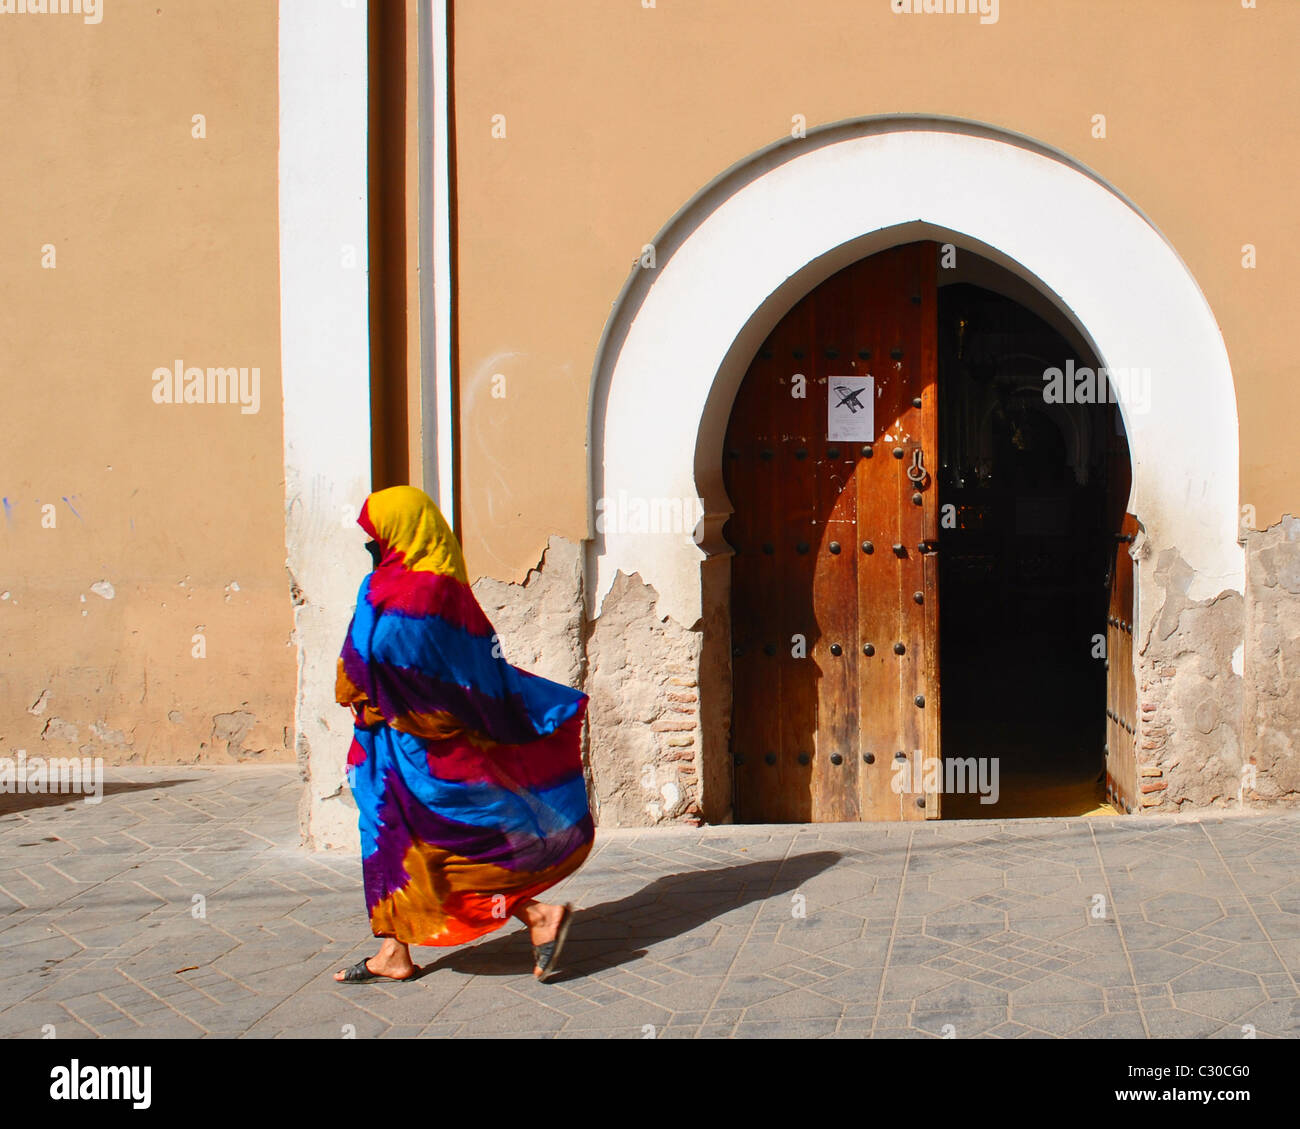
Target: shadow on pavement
611, 933
12, 802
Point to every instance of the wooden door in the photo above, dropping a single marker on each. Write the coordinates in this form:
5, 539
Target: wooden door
1121, 682
835, 581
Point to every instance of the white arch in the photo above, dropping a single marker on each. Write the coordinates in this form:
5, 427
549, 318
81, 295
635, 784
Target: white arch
766, 232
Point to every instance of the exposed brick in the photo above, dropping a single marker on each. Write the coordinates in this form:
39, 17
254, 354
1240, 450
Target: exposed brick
641, 675
1155, 786
671, 725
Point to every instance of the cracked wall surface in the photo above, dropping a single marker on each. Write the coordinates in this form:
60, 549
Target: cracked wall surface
645, 732
184, 673
1218, 681
1218, 692
1219, 704
641, 672
326, 566
1189, 748
1271, 662
540, 621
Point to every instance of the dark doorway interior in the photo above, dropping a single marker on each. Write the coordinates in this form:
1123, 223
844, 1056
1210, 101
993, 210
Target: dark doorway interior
1028, 493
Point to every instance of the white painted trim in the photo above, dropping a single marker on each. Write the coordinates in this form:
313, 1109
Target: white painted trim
765, 233
325, 370
439, 465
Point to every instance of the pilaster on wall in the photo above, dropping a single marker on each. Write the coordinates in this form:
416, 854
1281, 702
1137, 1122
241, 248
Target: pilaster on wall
325, 362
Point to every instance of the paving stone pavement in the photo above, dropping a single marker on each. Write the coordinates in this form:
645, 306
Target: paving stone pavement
182, 906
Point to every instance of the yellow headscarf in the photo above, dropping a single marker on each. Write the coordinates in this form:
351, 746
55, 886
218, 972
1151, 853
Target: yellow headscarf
405, 521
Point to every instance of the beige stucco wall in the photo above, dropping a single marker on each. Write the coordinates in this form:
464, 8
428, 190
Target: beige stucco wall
616, 114
166, 248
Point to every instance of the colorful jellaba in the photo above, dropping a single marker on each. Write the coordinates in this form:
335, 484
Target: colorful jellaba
467, 771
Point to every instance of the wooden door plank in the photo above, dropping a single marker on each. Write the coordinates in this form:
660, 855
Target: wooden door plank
794, 506
925, 384
740, 476
909, 434
835, 589
1122, 779
879, 569
830, 724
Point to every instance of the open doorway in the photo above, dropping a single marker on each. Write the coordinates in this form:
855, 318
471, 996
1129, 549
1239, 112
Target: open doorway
930, 617
1033, 482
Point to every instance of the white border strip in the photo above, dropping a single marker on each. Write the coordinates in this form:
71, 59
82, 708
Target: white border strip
325, 370
436, 300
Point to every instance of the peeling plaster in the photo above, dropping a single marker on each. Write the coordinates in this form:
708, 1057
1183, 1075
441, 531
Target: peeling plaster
231, 728
643, 678
1189, 728
1271, 707
56, 729
112, 737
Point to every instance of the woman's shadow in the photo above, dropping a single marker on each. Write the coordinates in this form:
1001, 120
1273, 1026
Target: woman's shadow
615, 932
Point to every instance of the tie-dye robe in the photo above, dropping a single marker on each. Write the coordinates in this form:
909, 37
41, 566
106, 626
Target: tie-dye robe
466, 771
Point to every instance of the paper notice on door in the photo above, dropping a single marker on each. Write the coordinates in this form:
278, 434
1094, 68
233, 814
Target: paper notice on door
850, 409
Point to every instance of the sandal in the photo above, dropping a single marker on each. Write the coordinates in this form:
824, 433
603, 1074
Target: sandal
546, 956
360, 973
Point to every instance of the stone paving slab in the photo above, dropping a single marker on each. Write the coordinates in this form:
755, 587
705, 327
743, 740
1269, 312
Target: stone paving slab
182, 906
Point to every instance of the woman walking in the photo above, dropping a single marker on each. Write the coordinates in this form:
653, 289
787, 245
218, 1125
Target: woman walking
466, 771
